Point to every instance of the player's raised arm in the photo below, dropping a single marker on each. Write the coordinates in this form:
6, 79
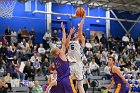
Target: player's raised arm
80, 32
69, 36
63, 37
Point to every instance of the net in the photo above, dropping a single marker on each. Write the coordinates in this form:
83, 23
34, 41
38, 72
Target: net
6, 8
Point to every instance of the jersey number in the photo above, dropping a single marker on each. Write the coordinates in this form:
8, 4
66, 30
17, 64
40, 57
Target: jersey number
72, 47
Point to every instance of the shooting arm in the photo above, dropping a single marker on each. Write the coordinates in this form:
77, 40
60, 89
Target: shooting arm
63, 38
80, 32
69, 36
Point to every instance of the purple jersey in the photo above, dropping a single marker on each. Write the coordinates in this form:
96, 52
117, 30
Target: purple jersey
120, 84
62, 68
64, 81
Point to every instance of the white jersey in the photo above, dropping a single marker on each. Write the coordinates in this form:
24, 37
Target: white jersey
75, 52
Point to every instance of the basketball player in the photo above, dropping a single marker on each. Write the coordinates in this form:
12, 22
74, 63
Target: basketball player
63, 84
117, 77
74, 55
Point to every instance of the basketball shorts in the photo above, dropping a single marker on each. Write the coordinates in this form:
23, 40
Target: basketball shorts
77, 71
120, 88
64, 86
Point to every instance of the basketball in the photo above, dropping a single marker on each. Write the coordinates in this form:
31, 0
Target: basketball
80, 12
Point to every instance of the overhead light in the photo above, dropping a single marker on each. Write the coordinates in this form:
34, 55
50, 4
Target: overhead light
22, 1
44, 1
97, 20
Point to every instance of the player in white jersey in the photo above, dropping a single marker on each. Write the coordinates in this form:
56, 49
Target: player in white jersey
75, 52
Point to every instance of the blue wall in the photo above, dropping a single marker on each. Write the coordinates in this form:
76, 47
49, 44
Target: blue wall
135, 32
37, 21
116, 28
89, 23
23, 19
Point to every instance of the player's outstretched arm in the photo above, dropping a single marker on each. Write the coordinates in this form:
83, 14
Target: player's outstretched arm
63, 37
80, 31
69, 36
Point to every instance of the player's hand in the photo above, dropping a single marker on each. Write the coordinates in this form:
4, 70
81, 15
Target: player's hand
130, 88
62, 26
64, 41
72, 30
108, 87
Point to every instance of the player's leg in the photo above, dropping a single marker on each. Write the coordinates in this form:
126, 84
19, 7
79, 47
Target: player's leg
68, 85
80, 86
120, 88
80, 76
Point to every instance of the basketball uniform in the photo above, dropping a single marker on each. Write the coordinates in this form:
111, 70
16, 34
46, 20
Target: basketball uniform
120, 85
75, 53
53, 78
64, 81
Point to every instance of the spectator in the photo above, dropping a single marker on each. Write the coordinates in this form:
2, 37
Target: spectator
15, 62
103, 41
8, 32
59, 34
41, 50
54, 36
23, 56
20, 74
37, 67
13, 36
37, 88
25, 32
35, 49
88, 53
9, 53
103, 58
11, 70
88, 44
97, 59
115, 55
2, 64
125, 39
4, 41
30, 88
34, 57
8, 79
19, 35
45, 66
24, 44
3, 87
46, 39
32, 33
93, 67
107, 72
58, 43
46, 56
1, 49
29, 71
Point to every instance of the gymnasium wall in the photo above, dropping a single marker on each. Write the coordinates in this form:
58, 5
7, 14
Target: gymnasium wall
23, 19
135, 32
90, 24
116, 28
38, 21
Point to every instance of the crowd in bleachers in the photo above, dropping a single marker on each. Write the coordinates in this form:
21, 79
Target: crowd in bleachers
23, 58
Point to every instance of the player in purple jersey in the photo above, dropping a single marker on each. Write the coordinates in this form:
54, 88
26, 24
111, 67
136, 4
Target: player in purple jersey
64, 83
117, 78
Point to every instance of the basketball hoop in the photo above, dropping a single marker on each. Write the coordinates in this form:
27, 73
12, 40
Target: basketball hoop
6, 8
